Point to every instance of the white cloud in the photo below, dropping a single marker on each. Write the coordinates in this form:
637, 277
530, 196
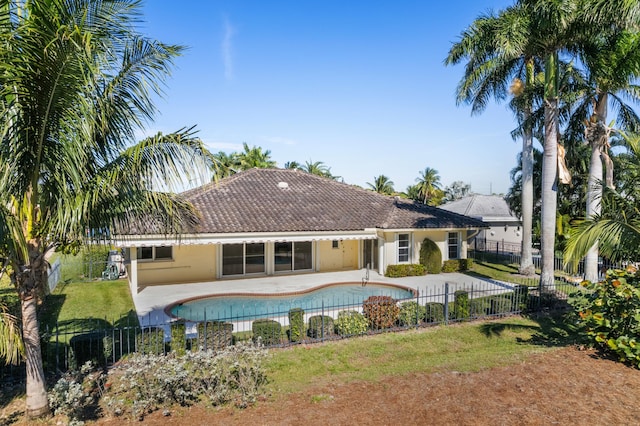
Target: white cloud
227, 48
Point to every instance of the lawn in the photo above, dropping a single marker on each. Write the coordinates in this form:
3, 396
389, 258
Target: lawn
463, 347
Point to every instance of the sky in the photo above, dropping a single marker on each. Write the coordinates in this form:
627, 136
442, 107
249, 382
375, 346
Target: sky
358, 85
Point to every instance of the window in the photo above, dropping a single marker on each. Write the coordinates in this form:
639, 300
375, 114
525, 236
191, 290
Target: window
335, 244
254, 258
155, 253
240, 259
403, 248
296, 256
454, 245
303, 257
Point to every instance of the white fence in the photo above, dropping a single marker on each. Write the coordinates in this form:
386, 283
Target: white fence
54, 275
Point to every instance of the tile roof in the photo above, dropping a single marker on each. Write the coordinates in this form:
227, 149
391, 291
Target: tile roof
480, 206
281, 200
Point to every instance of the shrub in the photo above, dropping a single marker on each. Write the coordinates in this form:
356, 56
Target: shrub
521, 297
96, 347
461, 304
479, 307
178, 337
381, 311
94, 260
350, 323
321, 326
412, 313
502, 304
430, 256
451, 265
434, 312
296, 324
267, 331
405, 270
214, 335
144, 383
608, 313
465, 264
76, 392
150, 341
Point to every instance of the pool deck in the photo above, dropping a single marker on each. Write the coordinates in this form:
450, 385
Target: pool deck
151, 301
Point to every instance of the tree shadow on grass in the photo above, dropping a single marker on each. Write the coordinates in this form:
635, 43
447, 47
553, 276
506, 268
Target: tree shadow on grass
552, 330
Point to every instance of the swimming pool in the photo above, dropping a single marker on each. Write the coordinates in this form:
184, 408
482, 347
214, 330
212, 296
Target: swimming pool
250, 306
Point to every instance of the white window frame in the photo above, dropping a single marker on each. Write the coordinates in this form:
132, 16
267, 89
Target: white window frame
399, 248
153, 258
456, 245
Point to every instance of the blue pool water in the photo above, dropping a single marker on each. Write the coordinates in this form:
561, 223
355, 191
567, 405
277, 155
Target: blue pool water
245, 308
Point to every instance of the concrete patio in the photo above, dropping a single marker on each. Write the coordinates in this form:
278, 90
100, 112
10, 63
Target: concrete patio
151, 301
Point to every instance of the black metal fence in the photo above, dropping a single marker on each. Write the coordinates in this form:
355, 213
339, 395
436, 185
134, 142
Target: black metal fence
70, 344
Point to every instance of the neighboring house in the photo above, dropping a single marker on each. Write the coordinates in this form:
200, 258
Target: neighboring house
273, 221
505, 229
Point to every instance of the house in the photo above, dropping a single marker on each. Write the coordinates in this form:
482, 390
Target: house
264, 222
505, 229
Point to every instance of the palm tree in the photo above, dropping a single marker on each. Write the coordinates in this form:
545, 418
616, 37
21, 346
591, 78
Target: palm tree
11, 346
456, 191
382, 185
428, 185
501, 59
292, 165
65, 155
318, 168
255, 157
225, 164
617, 228
612, 63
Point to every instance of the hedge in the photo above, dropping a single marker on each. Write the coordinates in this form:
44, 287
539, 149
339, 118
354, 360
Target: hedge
405, 270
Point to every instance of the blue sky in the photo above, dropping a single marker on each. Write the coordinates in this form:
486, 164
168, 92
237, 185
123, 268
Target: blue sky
358, 85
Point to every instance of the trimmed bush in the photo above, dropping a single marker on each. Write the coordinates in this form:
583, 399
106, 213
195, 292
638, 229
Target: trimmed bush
178, 337
350, 323
465, 264
412, 313
430, 256
150, 341
434, 312
521, 297
479, 307
320, 326
501, 304
267, 331
296, 324
96, 347
214, 335
461, 304
405, 270
381, 311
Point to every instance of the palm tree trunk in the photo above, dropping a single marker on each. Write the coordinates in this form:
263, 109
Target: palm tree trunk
37, 402
549, 174
597, 138
594, 193
526, 254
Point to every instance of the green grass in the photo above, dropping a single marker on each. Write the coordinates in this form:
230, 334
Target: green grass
89, 304
463, 347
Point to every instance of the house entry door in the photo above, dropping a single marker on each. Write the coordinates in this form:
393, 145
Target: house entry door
370, 254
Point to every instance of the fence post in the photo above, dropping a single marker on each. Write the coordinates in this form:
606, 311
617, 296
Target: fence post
446, 303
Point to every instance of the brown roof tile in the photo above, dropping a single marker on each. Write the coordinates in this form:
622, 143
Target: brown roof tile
280, 200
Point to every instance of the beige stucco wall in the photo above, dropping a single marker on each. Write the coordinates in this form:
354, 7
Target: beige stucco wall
191, 263
439, 237
344, 257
